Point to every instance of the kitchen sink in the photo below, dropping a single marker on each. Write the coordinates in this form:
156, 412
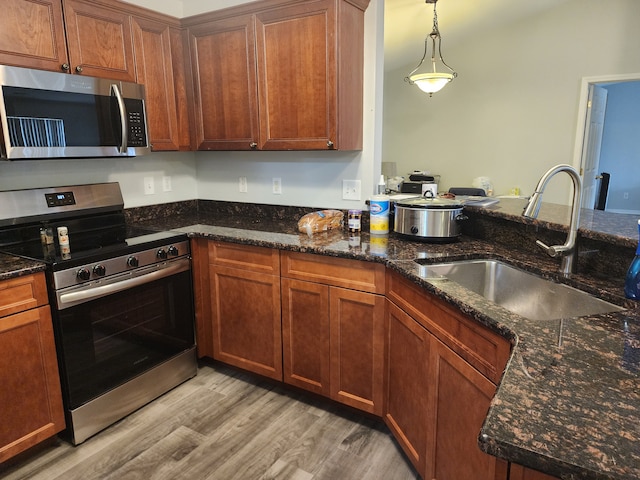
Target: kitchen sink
521, 292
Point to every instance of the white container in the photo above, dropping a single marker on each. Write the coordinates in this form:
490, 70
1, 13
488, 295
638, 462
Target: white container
379, 214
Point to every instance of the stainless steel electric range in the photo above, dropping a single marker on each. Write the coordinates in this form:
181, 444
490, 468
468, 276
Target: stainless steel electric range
121, 299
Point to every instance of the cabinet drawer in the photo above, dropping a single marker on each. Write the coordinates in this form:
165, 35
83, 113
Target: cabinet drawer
22, 293
247, 257
487, 351
339, 272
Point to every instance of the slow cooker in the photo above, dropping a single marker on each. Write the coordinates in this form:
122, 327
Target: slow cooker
429, 219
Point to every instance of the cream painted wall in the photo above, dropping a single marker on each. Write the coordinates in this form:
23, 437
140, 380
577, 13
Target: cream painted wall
512, 112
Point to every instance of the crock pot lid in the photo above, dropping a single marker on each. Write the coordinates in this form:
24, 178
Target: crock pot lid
424, 202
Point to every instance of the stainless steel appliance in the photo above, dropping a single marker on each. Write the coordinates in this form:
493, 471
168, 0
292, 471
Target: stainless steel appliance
121, 299
57, 115
430, 219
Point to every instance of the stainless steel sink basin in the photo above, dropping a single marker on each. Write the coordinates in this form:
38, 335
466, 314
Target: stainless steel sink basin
521, 292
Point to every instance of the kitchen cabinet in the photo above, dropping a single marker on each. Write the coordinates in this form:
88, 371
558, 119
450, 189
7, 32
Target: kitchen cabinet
32, 34
518, 472
240, 306
155, 43
30, 398
333, 328
279, 78
457, 364
99, 40
407, 385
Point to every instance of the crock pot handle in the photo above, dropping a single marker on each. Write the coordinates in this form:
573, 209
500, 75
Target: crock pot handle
460, 217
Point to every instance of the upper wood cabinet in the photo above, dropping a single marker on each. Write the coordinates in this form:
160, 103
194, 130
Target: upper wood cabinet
99, 40
279, 78
32, 34
154, 69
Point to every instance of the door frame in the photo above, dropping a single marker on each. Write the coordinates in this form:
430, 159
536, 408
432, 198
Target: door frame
579, 148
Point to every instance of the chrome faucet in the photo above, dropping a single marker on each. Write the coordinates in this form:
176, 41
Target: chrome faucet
568, 250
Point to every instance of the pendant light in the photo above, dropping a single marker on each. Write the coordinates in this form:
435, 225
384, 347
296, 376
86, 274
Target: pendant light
437, 77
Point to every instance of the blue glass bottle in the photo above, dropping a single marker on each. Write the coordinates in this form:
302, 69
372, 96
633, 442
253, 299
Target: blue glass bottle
632, 280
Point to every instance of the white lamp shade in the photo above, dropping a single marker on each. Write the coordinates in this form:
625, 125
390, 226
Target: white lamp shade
431, 82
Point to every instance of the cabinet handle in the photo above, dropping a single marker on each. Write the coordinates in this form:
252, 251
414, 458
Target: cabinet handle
65, 67
253, 145
79, 69
329, 144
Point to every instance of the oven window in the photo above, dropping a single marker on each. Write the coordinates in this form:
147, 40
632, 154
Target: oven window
107, 341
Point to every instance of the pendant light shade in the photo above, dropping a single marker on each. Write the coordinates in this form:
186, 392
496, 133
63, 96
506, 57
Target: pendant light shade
432, 79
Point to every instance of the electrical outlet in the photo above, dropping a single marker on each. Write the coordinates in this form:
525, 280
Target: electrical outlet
166, 183
351, 190
277, 186
242, 184
149, 187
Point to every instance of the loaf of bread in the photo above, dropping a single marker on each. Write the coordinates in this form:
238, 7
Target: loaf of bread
320, 221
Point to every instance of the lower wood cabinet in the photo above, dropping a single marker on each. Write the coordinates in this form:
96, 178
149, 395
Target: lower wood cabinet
30, 398
518, 472
239, 306
436, 400
333, 342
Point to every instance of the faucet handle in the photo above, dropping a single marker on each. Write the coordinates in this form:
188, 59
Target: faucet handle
551, 251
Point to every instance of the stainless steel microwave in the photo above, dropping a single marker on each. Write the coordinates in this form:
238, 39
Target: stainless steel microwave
57, 115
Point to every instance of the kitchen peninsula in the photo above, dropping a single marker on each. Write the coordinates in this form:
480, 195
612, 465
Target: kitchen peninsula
567, 403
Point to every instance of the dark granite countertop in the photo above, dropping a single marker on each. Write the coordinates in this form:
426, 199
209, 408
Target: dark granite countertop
569, 401
12, 266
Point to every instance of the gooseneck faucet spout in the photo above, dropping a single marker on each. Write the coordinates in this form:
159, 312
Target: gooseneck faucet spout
568, 250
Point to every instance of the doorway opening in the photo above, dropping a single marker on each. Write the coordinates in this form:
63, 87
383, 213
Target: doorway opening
607, 149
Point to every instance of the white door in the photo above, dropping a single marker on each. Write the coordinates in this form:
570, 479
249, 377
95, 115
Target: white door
592, 142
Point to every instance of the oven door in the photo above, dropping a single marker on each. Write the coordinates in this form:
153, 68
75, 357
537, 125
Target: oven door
119, 328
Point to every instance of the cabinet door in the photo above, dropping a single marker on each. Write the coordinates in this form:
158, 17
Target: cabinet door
305, 335
32, 34
224, 84
460, 400
357, 349
30, 398
99, 41
246, 320
154, 69
518, 472
407, 385
297, 76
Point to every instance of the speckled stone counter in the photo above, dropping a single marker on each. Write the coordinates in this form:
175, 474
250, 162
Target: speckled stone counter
12, 267
569, 401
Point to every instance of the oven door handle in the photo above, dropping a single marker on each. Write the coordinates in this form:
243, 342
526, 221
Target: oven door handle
66, 300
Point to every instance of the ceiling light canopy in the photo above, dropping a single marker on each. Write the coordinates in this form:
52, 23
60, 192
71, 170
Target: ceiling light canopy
440, 74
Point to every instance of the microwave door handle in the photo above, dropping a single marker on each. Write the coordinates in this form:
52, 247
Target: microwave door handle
123, 118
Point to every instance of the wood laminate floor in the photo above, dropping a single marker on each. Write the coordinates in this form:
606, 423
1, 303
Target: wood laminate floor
225, 425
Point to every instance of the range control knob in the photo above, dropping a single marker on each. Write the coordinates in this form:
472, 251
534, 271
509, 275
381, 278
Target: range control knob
414, 230
132, 262
173, 251
83, 274
161, 254
99, 270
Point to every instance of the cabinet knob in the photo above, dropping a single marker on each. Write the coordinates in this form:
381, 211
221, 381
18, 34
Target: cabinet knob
65, 67
79, 69
253, 145
329, 144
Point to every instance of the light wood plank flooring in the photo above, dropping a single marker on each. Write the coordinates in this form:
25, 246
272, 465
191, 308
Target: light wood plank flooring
225, 425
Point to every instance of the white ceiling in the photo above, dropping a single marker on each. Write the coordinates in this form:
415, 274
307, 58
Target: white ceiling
408, 22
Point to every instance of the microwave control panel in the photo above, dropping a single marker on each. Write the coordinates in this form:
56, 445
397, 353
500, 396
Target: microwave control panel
137, 135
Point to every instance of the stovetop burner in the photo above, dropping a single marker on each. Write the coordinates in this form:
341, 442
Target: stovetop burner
92, 214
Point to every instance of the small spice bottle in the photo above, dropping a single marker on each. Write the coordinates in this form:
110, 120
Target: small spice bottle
353, 220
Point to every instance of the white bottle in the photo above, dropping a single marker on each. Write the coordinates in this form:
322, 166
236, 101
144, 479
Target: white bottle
63, 241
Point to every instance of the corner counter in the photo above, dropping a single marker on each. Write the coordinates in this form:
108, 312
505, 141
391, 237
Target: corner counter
568, 403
